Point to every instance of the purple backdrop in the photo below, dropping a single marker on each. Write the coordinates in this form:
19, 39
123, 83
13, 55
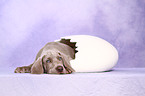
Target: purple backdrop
27, 25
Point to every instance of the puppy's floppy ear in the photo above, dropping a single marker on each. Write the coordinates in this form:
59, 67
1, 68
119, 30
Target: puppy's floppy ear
66, 64
37, 67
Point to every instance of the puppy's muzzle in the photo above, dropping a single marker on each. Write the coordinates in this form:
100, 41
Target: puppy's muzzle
59, 68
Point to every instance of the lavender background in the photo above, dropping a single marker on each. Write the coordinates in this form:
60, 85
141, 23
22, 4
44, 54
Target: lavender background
27, 25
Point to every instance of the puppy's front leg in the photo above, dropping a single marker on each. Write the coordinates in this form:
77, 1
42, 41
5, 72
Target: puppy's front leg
23, 69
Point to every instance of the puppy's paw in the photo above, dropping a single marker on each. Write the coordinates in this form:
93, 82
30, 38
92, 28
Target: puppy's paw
24, 69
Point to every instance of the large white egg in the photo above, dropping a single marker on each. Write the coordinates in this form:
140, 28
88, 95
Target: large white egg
94, 54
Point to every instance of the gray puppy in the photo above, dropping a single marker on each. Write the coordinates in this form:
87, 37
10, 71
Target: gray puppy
53, 58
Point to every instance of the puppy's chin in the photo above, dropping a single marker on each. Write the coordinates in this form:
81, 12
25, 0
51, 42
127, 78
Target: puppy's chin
55, 72
60, 73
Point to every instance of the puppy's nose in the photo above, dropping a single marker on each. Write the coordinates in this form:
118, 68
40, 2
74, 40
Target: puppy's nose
59, 68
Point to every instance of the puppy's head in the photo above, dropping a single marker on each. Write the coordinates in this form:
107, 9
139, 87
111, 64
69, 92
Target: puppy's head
52, 63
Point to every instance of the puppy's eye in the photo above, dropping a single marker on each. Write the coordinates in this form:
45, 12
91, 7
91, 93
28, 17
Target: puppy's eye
59, 58
48, 61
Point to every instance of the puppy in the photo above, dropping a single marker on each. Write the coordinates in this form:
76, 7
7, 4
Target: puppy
53, 58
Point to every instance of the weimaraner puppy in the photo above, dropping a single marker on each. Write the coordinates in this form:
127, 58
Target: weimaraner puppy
53, 58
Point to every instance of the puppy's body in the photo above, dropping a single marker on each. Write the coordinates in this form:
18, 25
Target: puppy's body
54, 57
